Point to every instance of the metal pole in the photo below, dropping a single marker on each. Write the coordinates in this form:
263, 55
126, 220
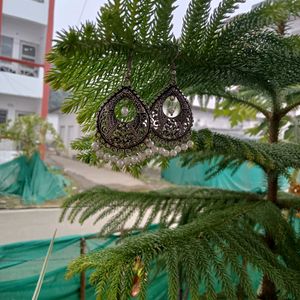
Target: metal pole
82, 275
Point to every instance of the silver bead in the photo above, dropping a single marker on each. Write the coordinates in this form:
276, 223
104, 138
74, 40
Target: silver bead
148, 152
120, 163
134, 159
177, 148
166, 153
106, 156
127, 160
184, 147
113, 159
161, 151
140, 156
95, 146
150, 144
99, 154
173, 152
190, 144
155, 149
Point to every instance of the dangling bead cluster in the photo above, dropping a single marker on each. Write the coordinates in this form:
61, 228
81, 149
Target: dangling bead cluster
139, 157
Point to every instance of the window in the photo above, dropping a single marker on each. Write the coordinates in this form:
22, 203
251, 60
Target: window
28, 53
62, 132
6, 46
3, 116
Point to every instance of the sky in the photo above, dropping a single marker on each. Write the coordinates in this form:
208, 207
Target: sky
83, 10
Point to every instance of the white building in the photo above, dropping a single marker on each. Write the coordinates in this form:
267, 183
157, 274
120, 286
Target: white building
26, 28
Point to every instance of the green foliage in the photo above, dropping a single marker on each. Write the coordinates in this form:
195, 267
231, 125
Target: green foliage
91, 61
29, 132
246, 104
204, 234
277, 157
215, 239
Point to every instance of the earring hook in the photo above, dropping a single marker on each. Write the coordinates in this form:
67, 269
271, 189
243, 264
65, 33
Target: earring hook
127, 77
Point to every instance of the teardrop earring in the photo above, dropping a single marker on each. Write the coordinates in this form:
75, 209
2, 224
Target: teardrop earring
171, 120
123, 124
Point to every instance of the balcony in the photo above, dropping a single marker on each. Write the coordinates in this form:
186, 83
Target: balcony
19, 68
21, 78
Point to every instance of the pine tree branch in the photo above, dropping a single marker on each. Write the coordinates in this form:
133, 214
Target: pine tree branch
220, 233
136, 210
236, 99
277, 157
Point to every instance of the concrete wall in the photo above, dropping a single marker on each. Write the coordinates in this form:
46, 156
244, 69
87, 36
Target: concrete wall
33, 34
27, 31
69, 130
33, 10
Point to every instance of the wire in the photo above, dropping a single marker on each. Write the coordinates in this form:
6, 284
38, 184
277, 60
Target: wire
81, 13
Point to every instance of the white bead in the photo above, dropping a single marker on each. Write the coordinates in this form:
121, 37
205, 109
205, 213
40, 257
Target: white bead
149, 152
161, 151
114, 159
134, 159
184, 147
166, 153
127, 160
177, 148
190, 144
151, 144
95, 146
120, 163
173, 152
155, 149
99, 154
106, 156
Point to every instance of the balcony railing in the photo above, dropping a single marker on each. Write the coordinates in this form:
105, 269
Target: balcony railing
21, 67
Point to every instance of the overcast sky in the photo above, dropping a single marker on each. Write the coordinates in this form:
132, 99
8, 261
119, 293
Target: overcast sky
73, 12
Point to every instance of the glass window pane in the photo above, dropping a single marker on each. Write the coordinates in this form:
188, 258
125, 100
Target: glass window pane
28, 50
3, 116
6, 46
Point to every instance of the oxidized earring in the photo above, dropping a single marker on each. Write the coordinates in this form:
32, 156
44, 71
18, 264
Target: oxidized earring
171, 121
123, 125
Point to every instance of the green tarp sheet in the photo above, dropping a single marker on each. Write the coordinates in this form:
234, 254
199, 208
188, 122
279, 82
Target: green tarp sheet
21, 263
248, 177
31, 180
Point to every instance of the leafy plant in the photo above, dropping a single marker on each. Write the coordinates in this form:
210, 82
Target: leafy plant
29, 132
205, 234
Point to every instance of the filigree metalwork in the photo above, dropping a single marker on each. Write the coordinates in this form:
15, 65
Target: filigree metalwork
123, 131
177, 124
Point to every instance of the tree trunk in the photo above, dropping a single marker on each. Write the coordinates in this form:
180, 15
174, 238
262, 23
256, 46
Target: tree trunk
268, 287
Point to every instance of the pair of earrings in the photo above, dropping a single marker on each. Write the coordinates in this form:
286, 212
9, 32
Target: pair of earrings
128, 132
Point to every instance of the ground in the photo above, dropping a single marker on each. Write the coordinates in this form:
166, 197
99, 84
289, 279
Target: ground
22, 223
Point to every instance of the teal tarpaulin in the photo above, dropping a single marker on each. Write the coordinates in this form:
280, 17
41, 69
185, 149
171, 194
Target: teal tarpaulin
21, 263
31, 180
248, 177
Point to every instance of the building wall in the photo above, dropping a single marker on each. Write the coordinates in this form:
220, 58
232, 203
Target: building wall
33, 10
21, 86
294, 26
24, 30
69, 130
14, 82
